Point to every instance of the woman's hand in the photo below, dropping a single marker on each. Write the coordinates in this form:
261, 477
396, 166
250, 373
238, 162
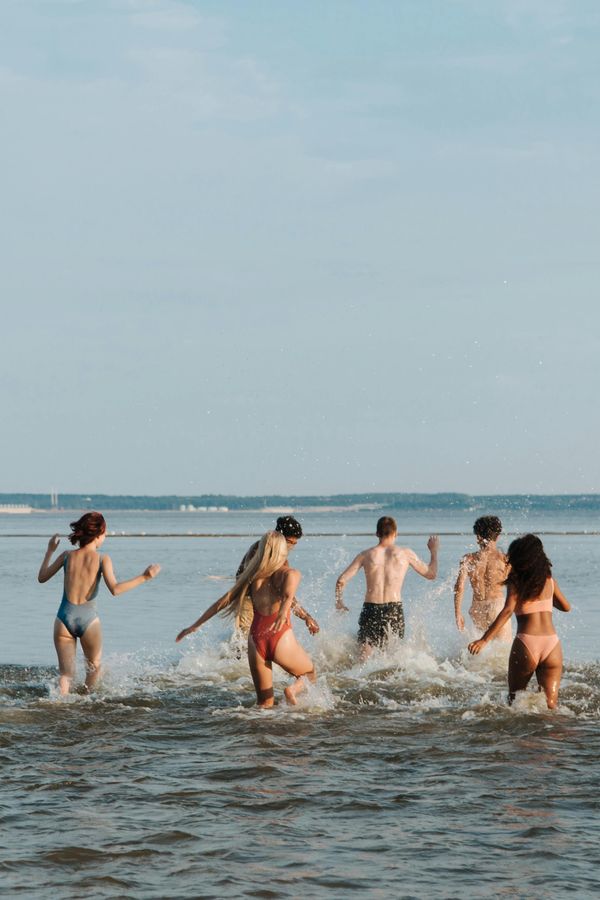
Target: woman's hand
184, 633
152, 571
312, 625
460, 622
53, 543
476, 647
279, 623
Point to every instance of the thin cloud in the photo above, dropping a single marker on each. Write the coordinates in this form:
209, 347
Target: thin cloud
161, 16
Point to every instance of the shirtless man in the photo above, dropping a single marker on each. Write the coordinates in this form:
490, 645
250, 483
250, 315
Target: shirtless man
487, 570
291, 529
385, 567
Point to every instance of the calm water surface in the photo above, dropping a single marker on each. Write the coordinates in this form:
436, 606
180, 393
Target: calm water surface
404, 777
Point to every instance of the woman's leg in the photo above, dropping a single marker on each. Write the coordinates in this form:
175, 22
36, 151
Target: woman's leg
548, 676
520, 668
66, 648
91, 644
295, 660
262, 676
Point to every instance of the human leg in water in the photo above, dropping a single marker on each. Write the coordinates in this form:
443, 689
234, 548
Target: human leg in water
66, 648
548, 676
262, 676
91, 644
521, 667
296, 661
365, 650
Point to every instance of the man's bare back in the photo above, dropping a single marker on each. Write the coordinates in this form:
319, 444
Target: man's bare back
385, 567
486, 570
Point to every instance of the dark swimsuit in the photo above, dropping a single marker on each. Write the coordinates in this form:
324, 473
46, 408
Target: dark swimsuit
378, 620
77, 616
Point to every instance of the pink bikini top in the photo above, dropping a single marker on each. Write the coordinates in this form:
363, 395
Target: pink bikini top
544, 604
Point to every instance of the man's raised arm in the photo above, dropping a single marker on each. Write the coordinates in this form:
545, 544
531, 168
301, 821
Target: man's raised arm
427, 571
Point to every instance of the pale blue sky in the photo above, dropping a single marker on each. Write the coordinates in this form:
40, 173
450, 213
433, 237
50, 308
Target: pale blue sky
300, 247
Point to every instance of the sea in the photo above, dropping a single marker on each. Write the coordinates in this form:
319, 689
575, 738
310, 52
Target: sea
407, 776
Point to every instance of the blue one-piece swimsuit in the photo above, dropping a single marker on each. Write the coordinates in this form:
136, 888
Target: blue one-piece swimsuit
77, 616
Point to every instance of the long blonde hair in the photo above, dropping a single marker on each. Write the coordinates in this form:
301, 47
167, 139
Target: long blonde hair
269, 557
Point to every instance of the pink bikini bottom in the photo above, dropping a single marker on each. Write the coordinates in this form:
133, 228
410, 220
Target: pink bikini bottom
540, 646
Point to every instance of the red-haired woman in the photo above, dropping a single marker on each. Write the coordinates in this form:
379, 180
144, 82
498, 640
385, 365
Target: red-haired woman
531, 595
77, 616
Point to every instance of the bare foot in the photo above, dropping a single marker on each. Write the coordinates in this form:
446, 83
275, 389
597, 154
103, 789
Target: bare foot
268, 704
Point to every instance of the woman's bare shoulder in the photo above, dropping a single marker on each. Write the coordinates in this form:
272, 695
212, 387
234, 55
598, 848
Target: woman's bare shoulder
290, 576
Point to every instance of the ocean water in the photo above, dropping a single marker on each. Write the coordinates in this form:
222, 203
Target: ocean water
407, 776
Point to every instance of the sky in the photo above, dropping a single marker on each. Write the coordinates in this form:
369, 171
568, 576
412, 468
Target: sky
282, 247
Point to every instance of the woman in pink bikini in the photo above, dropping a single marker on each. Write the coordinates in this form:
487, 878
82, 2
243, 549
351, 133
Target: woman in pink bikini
272, 585
532, 593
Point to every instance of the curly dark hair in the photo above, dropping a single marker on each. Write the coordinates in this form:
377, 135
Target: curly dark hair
289, 527
91, 525
529, 567
487, 528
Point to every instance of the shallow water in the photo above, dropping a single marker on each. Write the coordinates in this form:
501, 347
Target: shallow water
404, 777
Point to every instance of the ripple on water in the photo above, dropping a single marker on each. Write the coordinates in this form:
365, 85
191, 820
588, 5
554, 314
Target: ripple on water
399, 772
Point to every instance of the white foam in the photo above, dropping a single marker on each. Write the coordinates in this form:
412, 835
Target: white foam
431, 669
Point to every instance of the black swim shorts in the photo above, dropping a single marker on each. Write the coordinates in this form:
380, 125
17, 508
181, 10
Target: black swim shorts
378, 620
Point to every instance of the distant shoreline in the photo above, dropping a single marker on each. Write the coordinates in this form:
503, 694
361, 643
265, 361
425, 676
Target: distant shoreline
221, 504
268, 511
307, 534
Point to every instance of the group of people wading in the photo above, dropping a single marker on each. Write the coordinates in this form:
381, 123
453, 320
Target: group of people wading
264, 596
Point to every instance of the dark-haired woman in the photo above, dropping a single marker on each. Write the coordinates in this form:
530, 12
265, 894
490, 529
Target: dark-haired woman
531, 595
77, 616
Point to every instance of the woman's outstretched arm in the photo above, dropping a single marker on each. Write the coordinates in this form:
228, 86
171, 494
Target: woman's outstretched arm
47, 569
120, 587
212, 610
497, 625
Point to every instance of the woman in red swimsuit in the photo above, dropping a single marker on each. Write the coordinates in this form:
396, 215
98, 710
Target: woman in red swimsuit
272, 585
532, 593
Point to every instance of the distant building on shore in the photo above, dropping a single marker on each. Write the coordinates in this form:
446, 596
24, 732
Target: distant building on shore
15, 508
189, 507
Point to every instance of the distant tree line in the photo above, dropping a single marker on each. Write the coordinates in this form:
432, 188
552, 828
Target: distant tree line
388, 501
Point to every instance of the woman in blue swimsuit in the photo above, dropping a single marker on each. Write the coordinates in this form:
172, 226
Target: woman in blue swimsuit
77, 615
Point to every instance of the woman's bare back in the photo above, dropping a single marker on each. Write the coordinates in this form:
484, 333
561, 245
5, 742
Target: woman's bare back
267, 593
81, 575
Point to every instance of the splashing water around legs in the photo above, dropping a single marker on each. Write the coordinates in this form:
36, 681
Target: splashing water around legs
291, 692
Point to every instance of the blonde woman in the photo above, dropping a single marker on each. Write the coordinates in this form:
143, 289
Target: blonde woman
272, 585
